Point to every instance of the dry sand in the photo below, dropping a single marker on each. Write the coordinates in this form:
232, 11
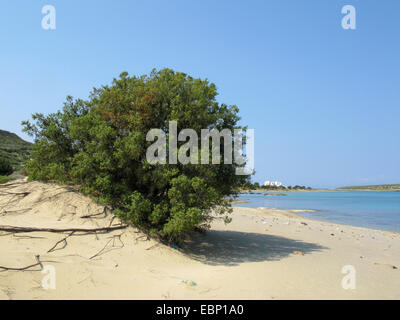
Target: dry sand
250, 258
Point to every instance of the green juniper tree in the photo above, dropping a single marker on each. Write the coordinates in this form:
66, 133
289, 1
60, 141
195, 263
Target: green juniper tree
100, 145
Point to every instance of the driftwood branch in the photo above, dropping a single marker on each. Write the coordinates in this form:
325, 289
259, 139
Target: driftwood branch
92, 215
32, 229
118, 236
25, 236
154, 246
104, 213
53, 248
14, 197
7, 185
23, 194
38, 263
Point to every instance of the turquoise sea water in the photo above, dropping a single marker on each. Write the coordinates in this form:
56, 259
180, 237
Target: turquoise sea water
370, 209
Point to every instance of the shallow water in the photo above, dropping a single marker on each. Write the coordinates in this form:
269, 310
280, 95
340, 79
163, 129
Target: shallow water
370, 209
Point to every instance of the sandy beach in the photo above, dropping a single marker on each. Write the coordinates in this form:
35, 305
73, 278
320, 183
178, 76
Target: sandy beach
262, 254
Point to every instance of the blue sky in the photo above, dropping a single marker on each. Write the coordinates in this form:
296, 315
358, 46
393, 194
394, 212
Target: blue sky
324, 101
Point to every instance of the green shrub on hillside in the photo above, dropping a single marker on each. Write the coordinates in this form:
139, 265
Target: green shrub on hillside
100, 145
14, 149
5, 167
5, 179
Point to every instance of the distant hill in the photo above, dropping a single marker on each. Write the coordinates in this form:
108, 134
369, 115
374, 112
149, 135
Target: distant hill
14, 149
380, 187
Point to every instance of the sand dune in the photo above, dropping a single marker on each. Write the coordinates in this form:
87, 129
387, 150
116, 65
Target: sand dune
262, 254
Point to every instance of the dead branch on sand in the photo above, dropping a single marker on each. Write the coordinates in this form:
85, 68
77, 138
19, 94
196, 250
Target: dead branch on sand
38, 263
13, 184
24, 194
33, 229
25, 237
118, 236
53, 248
104, 213
15, 196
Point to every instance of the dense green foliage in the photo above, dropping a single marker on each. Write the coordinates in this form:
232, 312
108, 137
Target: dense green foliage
14, 149
100, 145
5, 167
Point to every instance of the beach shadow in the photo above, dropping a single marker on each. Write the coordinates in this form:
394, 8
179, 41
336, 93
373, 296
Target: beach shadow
231, 248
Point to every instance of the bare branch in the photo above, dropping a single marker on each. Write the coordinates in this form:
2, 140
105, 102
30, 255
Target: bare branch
113, 245
62, 240
32, 229
39, 263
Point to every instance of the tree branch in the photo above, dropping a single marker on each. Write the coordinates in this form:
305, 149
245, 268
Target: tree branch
32, 229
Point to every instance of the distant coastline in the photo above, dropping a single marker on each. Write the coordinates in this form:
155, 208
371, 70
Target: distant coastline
280, 190
381, 187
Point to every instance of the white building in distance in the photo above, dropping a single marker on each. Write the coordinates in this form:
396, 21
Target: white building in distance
272, 184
